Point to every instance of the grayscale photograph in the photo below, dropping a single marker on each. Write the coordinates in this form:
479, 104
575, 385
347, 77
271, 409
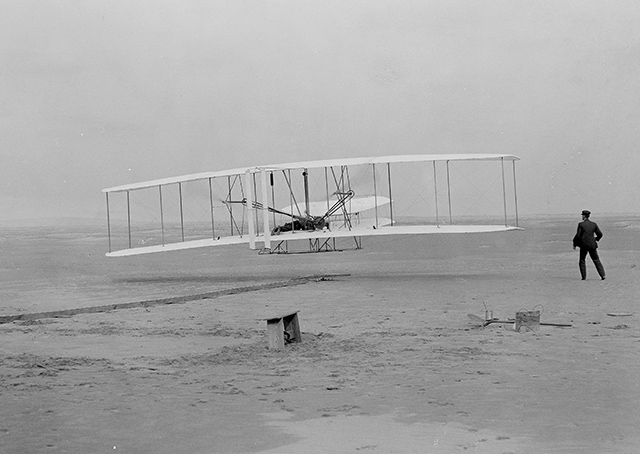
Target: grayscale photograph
260, 227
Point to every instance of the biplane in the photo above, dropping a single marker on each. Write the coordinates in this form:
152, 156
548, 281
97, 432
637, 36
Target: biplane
315, 203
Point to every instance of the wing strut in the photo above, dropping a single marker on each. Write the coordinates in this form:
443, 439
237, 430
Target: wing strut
129, 218
375, 193
108, 222
231, 220
435, 192
181, 211
213, 225
273, 195
161, 213
449, 193
515, 192
255, 197
504, 193
390, 198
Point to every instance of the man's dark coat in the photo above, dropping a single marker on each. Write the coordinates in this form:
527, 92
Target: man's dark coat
588, 235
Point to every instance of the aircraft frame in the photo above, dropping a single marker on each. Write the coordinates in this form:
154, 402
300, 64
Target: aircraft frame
353, 198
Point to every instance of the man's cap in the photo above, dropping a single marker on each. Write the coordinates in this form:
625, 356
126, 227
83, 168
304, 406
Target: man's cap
586, 213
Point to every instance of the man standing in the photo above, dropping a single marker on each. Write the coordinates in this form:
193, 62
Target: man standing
586, 239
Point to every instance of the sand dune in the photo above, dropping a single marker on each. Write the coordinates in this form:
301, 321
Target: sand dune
389, 361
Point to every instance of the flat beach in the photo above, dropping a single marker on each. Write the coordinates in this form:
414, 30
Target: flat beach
168, 353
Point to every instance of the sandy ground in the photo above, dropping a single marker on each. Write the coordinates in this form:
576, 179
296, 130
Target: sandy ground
389, 361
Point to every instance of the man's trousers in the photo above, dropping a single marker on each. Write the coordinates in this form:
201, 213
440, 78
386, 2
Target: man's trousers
593, 253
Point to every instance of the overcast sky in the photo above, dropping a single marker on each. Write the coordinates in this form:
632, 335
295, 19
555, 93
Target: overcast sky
101, 93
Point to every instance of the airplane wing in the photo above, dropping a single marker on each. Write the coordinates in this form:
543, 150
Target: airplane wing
334, 198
